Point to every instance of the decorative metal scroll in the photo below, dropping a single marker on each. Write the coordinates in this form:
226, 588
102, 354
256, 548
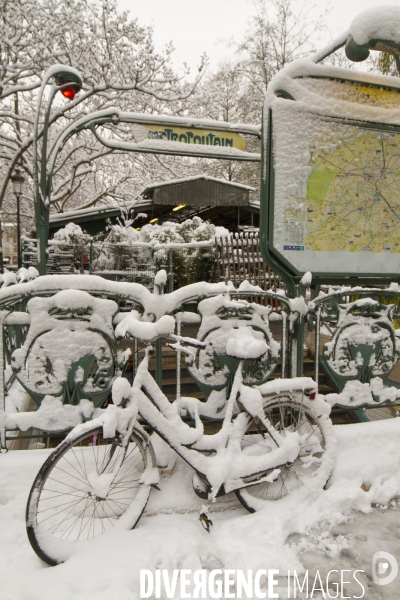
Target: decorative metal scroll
212, 368
70, 350
364, 344
355, 336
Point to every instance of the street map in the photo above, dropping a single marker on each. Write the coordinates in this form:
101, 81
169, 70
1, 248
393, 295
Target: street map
352, 198
336, 200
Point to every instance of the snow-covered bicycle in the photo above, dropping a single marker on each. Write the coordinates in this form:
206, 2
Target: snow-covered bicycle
274, 438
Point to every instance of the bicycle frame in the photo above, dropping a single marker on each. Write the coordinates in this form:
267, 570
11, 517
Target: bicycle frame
272, 433
216, 458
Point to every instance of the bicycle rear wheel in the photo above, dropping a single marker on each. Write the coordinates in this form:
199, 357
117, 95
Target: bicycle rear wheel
313, 466
83, 489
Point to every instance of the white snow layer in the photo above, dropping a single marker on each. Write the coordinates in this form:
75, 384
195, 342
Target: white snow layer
197, 177
321, 531
379, 22
145, 331
246, 343
300, 79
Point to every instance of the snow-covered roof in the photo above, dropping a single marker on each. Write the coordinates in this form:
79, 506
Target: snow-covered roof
197, 178
115, 209
95, 211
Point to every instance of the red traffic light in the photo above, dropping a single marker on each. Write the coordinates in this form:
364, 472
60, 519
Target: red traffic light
70, 90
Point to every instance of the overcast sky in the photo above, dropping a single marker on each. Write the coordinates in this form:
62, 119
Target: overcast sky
197, 26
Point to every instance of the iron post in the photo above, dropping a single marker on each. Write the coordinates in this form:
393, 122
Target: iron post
69, 82
18, 182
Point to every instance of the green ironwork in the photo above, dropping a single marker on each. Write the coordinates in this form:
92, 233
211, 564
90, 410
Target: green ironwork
211, 367
363, 343
363, 346
360, 52
63, 76
88, 349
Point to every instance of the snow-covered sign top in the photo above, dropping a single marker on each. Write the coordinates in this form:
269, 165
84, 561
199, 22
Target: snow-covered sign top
380, 22
333, 148
326, 90
323, 88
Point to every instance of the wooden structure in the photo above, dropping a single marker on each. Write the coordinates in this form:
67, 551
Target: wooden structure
238, 259
224, 203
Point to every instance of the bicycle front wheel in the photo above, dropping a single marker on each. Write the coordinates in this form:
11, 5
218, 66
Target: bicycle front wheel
83, 489
313, 466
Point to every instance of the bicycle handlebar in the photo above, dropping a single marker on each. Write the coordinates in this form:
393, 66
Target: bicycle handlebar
187, 340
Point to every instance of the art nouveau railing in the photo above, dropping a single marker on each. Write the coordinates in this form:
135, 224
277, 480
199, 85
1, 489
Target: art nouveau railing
357, 340
61, 354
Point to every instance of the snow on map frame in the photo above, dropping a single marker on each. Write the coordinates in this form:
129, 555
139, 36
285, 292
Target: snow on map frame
330, 197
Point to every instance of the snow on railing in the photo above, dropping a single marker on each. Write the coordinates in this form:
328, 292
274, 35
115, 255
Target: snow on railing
47, 322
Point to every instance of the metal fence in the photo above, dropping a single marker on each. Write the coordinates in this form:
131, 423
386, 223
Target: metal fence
351, 338
238, 258
235, 258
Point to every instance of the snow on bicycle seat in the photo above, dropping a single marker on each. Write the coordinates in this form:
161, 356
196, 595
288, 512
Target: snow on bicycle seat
294, 384
245, 343
145, 330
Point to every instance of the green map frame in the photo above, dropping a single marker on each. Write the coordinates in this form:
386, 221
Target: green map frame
280, 263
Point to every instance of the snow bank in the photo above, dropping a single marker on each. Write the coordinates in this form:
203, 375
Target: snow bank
169, 535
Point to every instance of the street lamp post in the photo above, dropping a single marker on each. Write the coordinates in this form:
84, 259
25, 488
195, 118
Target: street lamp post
18, 183
68, 81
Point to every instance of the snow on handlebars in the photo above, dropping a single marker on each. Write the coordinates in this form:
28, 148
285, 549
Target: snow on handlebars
144, 330
148, 332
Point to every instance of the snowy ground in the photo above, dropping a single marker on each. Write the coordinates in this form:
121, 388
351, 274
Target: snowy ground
339, 528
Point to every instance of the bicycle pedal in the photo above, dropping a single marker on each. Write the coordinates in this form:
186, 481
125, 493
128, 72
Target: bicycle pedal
205, 522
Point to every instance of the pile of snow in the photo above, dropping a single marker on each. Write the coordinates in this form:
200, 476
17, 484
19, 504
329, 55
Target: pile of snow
246, 343
191, 230
72, 235
21, 276
142, 330
338, 528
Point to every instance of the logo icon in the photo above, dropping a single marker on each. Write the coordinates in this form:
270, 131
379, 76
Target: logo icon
384, 568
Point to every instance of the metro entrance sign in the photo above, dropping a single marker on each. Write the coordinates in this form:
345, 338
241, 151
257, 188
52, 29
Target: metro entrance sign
203, 137
330, 198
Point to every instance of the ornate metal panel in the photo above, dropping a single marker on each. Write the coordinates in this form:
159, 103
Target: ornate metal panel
211, 368
70, 350
364, 344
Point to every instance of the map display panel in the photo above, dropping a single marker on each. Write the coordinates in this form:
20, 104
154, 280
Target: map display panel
353, 195
337, 194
